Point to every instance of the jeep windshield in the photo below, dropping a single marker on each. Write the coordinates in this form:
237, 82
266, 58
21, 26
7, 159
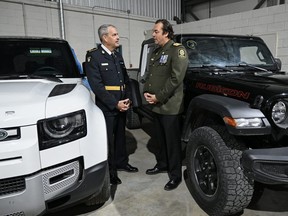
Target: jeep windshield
22, 58
228, 54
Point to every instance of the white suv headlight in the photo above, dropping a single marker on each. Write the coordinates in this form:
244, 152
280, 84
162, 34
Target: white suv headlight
62, 129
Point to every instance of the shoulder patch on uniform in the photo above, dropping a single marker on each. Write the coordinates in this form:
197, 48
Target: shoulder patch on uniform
176, 44
91, 50
181, 53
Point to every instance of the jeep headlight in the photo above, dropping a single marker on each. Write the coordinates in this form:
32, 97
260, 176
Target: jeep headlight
279, 112
244, 122
62, 129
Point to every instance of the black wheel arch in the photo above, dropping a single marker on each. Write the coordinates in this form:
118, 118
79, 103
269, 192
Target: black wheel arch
217, 107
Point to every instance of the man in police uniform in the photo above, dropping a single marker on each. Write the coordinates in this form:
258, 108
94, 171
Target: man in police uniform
164, 89
108, 79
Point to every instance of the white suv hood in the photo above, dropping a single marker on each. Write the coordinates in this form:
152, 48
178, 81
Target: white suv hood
22, 102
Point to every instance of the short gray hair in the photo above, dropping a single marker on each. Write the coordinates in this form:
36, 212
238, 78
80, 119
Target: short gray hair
103, 30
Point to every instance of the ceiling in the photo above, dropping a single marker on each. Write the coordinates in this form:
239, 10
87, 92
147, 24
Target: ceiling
188, 7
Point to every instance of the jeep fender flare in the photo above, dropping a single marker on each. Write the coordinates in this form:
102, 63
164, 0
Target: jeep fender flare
224, 106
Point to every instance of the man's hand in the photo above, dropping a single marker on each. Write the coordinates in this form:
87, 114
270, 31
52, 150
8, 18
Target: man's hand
123, 105
150, 98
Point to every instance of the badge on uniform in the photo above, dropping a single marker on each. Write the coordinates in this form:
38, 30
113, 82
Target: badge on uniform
163, 59
181, 53
88, 58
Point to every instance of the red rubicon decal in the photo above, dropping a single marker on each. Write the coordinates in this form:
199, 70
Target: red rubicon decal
223, 90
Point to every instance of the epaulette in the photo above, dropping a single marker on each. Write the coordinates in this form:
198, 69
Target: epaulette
176, 44
91, 50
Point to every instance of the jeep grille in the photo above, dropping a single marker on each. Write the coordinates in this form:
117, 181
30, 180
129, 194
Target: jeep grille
274, 169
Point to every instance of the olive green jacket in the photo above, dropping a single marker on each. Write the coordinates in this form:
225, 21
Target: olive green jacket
167, 69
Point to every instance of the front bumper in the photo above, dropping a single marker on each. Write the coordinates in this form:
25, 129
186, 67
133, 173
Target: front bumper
51, 189
268, 166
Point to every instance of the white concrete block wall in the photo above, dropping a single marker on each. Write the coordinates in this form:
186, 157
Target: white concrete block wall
37, 19
11, 19
270, 23
81, 28
41, 18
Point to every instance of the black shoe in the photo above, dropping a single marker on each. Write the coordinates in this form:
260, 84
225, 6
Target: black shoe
114, 180
172, 184
128, 168
155, 170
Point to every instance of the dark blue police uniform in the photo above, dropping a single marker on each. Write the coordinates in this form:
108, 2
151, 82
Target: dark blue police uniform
108, 79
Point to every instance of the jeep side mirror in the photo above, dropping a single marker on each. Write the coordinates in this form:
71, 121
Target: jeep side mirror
83, 69
278, 63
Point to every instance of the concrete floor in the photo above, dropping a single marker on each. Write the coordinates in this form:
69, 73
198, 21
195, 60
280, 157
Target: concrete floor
143, 195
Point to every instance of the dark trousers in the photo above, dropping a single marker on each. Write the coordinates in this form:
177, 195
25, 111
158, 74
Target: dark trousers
168, 135
117, 153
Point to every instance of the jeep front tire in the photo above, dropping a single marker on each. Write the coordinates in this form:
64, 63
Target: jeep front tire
214, 175
133, 119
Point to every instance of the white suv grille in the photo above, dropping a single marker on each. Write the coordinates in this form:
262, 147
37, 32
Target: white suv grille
60, 178
12, 185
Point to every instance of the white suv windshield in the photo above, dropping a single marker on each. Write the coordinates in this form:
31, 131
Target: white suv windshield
20, 57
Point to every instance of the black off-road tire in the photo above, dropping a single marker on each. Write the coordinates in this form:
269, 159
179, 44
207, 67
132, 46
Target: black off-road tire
103, 196
214, 175
133, 119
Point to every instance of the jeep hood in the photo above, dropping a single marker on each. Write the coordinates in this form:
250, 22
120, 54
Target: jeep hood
268, 85
23, 102
243, 86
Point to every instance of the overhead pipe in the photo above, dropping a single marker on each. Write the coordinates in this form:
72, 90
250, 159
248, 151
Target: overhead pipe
183, 18
24, 18
209, 3
62, 25
259, 4
194, 16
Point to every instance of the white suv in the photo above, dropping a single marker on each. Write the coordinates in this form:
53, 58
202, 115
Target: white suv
53, 144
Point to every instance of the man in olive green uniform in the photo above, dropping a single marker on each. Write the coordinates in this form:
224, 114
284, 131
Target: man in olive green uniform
164, 89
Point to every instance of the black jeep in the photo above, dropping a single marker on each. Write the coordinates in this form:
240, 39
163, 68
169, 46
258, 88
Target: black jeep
235, 121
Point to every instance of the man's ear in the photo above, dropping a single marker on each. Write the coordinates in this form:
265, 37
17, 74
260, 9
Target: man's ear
165, 34
104, 38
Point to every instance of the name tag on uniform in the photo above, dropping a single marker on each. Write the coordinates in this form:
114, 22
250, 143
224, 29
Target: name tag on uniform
104, 64
163, 59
